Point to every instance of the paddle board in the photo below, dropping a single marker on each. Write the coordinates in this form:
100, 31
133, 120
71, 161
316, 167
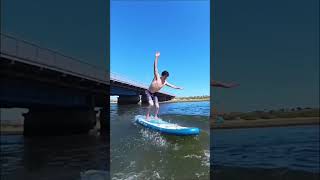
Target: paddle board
166, 127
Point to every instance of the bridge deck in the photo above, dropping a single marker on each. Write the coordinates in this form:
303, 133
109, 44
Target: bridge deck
25, 52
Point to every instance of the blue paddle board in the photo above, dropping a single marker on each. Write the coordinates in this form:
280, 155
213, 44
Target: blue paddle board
166, 127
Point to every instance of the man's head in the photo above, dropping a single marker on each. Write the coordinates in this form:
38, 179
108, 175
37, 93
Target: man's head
165, 74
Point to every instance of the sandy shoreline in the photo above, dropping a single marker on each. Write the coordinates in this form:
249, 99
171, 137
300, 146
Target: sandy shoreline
235, 124
175, 101
11, 130
185, 100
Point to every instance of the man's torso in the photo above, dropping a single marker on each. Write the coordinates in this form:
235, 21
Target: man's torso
156, 85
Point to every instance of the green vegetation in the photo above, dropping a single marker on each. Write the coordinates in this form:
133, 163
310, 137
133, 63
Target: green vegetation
273, 114
194, 97
191, 98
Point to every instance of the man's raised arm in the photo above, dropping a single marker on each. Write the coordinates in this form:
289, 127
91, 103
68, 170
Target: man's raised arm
155, 66
173, 86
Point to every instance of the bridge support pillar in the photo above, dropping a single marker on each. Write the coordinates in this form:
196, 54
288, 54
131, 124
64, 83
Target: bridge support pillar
163, 98
124, 99
58, 121
144, 99
105, 118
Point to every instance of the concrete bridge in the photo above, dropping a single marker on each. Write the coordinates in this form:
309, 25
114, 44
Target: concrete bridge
62, 93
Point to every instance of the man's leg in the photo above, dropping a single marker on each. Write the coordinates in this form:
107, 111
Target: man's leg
156, 103
150, 102
149, 107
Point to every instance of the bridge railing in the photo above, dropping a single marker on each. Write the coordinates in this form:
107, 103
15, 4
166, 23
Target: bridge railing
29, 53
123, 79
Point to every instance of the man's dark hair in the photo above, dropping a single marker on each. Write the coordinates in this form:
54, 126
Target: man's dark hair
165, 73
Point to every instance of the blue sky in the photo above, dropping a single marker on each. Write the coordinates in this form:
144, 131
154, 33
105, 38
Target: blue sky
178, 29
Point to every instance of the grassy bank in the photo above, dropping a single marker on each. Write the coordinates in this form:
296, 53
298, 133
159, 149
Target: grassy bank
186, 100
189, 99
232, 124
281, 117
11, 129
180, 99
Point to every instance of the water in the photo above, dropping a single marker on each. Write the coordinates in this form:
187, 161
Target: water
140, 153
60, 157
264, 153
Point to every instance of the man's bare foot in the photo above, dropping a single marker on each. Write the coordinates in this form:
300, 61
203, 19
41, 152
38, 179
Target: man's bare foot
147, 117
156, 117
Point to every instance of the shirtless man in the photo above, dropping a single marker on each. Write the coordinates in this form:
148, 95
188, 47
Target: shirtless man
157, 83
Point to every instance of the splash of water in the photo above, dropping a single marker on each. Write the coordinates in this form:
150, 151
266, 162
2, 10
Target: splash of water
154, 138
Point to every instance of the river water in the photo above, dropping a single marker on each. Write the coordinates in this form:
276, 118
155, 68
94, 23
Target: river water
59, 157
266, 153
140, 153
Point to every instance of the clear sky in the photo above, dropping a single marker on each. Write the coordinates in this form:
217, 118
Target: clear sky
178, 29
271, 48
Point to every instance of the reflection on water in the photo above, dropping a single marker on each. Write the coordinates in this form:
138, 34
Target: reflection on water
275, 152
140, 153
60, 157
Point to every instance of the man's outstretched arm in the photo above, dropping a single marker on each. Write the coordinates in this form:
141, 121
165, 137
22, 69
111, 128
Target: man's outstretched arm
173, 86
155, 66
223, 85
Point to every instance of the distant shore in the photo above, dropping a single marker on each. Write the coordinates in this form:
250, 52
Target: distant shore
18, 129
186, 100
276, 122
180, 99
11, 129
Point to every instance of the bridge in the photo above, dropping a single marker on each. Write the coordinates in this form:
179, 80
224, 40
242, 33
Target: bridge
130, 91
62, 93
